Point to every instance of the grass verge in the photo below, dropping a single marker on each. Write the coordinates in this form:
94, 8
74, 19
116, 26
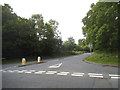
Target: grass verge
104, 58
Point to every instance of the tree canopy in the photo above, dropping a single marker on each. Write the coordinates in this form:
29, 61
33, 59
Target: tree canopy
28, 37
101, 26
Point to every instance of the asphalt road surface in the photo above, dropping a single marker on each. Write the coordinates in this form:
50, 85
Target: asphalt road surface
68, 72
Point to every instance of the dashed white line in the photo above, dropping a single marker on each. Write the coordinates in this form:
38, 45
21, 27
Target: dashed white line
15, 70
24, 70
114, 75
32, 70
39, 72
20, 71
28, 72
94, 74
51, 72
77, 74
63, 73
4, 71
10, 71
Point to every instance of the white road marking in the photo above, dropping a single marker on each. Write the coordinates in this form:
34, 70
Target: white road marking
10, 71
20, 71
114, 75
39, 72
94, 74
4, 71
32, 70
63, 73
15, 70
28, 72
42, 71
24, 70
55, 66
77, 74
51, 72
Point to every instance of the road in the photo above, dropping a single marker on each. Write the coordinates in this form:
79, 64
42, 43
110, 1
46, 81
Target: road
68, 72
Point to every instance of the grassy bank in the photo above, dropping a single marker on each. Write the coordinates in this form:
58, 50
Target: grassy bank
104, 58
19, 60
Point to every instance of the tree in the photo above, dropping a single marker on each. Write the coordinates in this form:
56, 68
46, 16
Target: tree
69, 45
18, 34
98, 28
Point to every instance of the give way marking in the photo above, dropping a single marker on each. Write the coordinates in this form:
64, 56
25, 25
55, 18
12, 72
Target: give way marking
55, 66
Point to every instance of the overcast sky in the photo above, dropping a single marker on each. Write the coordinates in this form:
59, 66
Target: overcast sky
68, 13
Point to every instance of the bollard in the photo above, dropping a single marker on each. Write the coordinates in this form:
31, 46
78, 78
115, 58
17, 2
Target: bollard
39, 59
23, 61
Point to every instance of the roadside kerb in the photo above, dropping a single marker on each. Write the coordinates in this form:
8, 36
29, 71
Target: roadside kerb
30, 64
100, 64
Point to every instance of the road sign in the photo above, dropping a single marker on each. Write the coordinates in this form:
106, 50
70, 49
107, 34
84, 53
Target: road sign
90, 46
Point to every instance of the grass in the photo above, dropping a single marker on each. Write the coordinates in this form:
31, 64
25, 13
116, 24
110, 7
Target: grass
104, 58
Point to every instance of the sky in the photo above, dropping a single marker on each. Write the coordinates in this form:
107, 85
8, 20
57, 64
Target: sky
68, 13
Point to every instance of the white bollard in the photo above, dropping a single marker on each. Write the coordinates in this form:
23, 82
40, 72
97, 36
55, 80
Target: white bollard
39, 59
23, 61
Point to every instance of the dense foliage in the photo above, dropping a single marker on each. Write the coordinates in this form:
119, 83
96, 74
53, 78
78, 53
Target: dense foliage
31, 37
101, 26
28, 37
